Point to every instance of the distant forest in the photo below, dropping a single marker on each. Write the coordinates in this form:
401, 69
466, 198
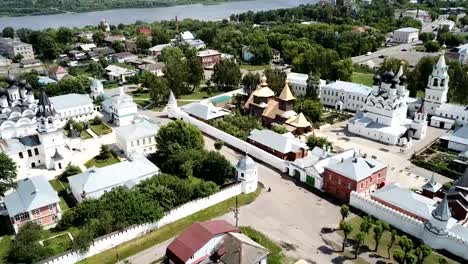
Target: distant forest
40, 7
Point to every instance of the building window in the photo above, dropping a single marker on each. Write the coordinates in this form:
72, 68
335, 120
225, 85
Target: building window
330, 177
36, 212
339, 181
349, 186
22, 216
51, 208
131, 143
36, 151
138, 142
21, 155
29, 153
144, 141
362, 185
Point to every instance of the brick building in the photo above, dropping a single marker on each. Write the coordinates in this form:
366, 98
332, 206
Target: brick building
358, 173
209, 58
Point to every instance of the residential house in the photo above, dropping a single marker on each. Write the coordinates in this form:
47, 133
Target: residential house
78, 107
204, 110
87, 47
116, 38
4, 61
156, 50
130, 45
144, 30
188, 38
29, 63
94, 182
209, 58
122, 57
457, 140
138, 137
119, 74
100, 52
406, 35
447, 24
344, 95
86, 35
120, 107
33, 200
13, 48
358, 173
156, 68
276, 56
215, 241
58, 73
284, 146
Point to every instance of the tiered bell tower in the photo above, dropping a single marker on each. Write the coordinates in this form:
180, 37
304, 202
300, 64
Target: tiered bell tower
437, 86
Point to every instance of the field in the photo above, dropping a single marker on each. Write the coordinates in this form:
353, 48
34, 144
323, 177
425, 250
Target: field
94, 162
362, 78
438, 158
101, 129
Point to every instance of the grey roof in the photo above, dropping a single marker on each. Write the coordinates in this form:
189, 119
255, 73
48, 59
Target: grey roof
246, 163
442, 211
204, 110
453, 108
160, 47
238, 248
70, 101
349, 87
406, 199
15, 145
462, 181
141, 128
45, 108
460, 135
407, 29
31, 193
96, 179
283, 143
153, 66
432, 185
57, 155
299, 78
356, 168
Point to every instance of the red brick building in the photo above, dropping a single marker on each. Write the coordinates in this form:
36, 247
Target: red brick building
209, 58
360, 174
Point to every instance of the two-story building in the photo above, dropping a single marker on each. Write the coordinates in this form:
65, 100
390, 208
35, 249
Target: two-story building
358, 173
209, 58
78, 107
34, 200
345, 95
138, 137
12, 48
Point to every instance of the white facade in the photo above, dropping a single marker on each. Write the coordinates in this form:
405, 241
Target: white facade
344, 95
138, 137
384, 116
121, 108
4, 61
246, 172
13, 48
97, 88
406, 35
298, 83
78, 107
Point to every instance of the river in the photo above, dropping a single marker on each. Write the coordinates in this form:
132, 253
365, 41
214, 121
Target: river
128, 16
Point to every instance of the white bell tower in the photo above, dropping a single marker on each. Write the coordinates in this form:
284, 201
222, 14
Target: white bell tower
246, 172
96, 88
437, 86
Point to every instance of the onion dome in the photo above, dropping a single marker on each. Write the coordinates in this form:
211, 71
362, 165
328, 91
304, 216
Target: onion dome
3, 91
388, 76
395, 81
23, 82
377, 79
403, 79
11, 79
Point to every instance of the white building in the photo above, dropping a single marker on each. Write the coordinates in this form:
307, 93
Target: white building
204, 110
458, 139
78, 107
344, 95
246, 172
13, 48
95, 182
138, 137
97, 89
406, 35
384, 115
119, 74
298, 83
121, 108
4, 61
444, 114
447, 24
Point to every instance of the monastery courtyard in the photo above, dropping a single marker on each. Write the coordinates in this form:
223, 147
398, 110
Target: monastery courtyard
401, 168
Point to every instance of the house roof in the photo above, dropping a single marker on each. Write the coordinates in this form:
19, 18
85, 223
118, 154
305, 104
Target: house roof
299, 78
349, 87
238, 248
208, 52
195, 237
186, 35
356, 168
160, 47
31, 193
204, 110
406, 200
432, 185
286, 94
123, 55
68, 101
95, 179
283, 143
407, 29
140, 128
246, 163
262, 89
460, 135
299, 121
118, 70
442, 211
152, 66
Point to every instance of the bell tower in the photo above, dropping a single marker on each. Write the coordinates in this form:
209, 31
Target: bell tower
46, 116
437, 86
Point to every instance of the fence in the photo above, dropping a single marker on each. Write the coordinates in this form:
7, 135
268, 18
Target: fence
114, 239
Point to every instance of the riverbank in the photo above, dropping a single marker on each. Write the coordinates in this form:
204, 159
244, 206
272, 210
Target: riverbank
203, 10
20, 11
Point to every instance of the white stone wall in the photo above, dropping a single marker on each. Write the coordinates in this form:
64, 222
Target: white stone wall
239, 144
114, 239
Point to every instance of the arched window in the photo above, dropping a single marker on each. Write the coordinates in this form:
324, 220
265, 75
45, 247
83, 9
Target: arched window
435, 83
442, 82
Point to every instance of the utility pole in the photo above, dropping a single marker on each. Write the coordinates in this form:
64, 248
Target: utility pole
236, 211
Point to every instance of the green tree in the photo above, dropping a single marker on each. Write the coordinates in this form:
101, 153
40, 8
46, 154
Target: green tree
95, 69
160, 36
359, 241
218, 145
313, 86
237, 125
347, 229
406, 244
98, 38
422, 252
312, 109
426, 36
226, 75
442, 260
344, 211
176, 71
378, 232
104, 153
195, 68
432, 46
157, 86
83, 240
393, 64
64, 35
178, 136
316, 141
118, 46
250, 82
7, 173
280, 129
417, 80
393, 240
142, 43
47, 47
25, 248
399, 256
18, 57
8, 32
216, 168
276, 80
70, 170
366, 225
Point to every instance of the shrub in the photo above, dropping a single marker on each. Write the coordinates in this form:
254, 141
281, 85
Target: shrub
279, 129
96, 121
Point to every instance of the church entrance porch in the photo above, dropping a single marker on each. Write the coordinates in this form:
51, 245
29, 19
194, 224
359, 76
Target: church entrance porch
339, 106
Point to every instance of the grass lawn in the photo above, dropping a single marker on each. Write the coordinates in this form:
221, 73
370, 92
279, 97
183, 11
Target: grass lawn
276, 256
140, 95
362, 78
5, 242
101, 129
254, 67
109, 85
420, 94
199, 94
58, 244
85, 135
382, 250
158, 236
101, 163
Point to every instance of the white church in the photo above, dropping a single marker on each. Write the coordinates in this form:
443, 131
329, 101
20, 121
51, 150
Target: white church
384, 116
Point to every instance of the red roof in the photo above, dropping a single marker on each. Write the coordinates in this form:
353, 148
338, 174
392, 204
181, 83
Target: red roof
144, 30
195, 237
60, 70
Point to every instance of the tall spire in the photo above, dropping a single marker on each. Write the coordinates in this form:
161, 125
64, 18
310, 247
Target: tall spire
172, 100
45, 107
441, 62
442, 211
286, 94
400, 71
